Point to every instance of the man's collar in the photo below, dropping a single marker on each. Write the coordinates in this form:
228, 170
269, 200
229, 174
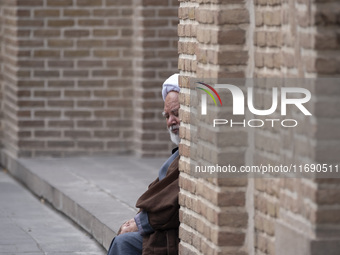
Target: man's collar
174, 150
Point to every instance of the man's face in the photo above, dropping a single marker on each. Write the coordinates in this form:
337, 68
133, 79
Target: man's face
171, 108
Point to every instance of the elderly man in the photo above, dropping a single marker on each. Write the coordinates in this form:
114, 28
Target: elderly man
154, 230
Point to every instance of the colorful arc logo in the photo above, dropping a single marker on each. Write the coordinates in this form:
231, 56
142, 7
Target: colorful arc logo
204, 96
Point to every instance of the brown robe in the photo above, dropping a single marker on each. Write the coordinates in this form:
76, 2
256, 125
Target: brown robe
160, 201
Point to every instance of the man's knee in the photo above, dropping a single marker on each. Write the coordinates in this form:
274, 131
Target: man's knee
121, 240
128, 243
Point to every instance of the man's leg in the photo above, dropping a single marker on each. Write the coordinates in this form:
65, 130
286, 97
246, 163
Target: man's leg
127, 244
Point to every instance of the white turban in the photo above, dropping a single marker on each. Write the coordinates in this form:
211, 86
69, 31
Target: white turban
171, 84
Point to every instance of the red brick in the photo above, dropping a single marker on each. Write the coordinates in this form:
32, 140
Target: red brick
29, 2
90, 144
31, 144
76, 12
46, 73
46, 33
75, 73
46, 13
60, 63
226, 238
235, 16
106, 53
106, 93
30, 123
60, 144
89, 2
47, 93
91, 22
30, 43
77, 93
61, 83
328, 216
77, 133
76, 33
76, 53
77, 113
90, 103
48, 133
60, 23
89, 123
105, 32
107, 113
90, 83
30, 23
60, 103
106, 12
90, 43
31, 63
49, 114
119, 2
106, 134
59, 2
90, 63
154, 2
107, 73
46, 53
31, 103
61, 123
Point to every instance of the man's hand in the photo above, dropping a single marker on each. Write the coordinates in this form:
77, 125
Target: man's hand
128, 226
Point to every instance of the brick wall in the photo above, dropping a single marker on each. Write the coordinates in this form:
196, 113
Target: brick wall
291, 39
70, 82
1, 82
155, 45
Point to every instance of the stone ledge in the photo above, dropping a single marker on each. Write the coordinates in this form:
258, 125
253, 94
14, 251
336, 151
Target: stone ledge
97, 193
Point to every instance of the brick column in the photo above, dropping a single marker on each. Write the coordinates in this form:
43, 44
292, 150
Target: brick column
10, 54
1, 77
155, 49
212, 44
291, 40
268, 57
286, 39
309, 208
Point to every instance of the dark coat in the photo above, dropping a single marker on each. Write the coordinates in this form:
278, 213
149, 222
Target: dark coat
160, 201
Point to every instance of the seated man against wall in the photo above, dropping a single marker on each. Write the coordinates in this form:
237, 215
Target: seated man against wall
154, 230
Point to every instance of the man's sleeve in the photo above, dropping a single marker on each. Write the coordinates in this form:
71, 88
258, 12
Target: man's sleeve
142, 222
160, 201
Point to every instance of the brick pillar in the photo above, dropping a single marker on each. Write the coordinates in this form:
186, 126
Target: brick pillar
268, 56
1, 77
212, 44
284, 39
296, 39
155, 59
309, 212
10, 54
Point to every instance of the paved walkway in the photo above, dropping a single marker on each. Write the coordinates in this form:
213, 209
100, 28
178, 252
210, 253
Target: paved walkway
98, 193
29, 227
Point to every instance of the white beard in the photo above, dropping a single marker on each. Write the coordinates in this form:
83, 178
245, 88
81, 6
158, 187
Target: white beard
174, 137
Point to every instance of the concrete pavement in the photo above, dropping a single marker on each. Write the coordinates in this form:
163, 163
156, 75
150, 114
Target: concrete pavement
29, 227
98, 193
